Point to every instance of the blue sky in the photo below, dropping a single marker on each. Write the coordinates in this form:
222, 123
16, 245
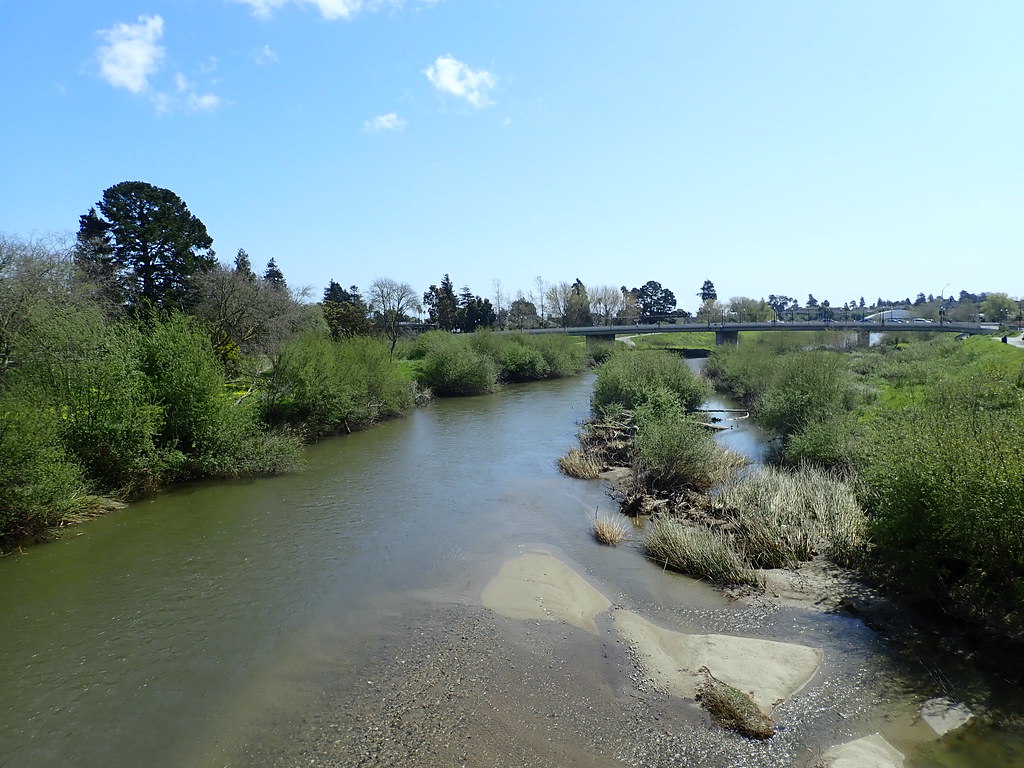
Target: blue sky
841, 149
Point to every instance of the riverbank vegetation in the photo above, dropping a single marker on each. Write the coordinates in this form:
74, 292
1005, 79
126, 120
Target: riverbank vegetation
902, 461
475, 364
709, 516
113, 386
930, 433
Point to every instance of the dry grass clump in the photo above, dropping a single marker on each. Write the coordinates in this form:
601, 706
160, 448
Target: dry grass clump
577, 463
783, 518
732, 708
610, 530
700, 552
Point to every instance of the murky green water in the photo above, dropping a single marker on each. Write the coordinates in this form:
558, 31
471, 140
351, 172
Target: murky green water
157, 636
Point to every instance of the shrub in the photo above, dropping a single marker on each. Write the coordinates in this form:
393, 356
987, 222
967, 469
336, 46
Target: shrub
453, 367
564, 355
629, 377
947, 496
673, 451
326, 386
520, 362
39, 482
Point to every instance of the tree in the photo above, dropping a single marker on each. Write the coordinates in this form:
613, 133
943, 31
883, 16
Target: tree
156, 246
998, 307
578, 307
442, 305
556, 297
708, 292
605, 303
629, 314
274, 276
522, 313
249, 316
345, 311
243, 267
390, 302
94, 259
475, 312
654, 302
780, 303
750, 310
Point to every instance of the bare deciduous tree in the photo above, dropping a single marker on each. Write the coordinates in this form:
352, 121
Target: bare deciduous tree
391, 303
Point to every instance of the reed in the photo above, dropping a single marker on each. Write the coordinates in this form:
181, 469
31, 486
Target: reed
695, 551
579, 464
610, 530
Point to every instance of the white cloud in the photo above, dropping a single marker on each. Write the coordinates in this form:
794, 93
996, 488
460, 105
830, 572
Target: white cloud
449, 75
329, 9
265, 55
131, 54
192, 101
388, 122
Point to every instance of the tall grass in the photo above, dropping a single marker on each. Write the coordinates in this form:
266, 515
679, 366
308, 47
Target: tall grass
783, 517
696, 551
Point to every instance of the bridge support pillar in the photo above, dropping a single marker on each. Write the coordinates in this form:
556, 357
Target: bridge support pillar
726, 337
863, 337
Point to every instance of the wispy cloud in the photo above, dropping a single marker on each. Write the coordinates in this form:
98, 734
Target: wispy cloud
265, 55
388, 122
329, 9
192, 101
449, 75
131, 54
131, 57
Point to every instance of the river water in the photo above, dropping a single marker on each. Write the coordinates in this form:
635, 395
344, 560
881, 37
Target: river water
203, 626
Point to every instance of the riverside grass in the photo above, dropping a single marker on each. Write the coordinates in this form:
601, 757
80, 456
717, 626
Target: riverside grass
784, 517
932, 442
579, 464
696, 551
610, 530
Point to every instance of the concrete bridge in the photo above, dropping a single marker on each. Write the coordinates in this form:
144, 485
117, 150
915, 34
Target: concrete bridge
729, 333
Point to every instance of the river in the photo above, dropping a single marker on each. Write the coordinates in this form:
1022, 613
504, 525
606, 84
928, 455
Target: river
311, 618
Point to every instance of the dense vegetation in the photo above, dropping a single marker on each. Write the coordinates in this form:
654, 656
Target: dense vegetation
473, 365
132, 359
932, 433
708, 519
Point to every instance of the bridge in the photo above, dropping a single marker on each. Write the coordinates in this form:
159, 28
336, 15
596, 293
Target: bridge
729, 333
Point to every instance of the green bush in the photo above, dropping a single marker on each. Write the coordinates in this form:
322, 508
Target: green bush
629, 378
325, 386
39, 482
520, 362
564, 355
673, 451
451, 366
946, 484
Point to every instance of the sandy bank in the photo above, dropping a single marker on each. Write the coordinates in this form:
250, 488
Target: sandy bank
537, 585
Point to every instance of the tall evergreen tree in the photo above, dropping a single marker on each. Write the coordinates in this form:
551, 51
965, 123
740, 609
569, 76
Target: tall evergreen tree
155, 244
274, 275
243, 267
654, 302
708, 292
442, 305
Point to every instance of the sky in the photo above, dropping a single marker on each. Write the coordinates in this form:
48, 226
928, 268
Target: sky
840, 149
